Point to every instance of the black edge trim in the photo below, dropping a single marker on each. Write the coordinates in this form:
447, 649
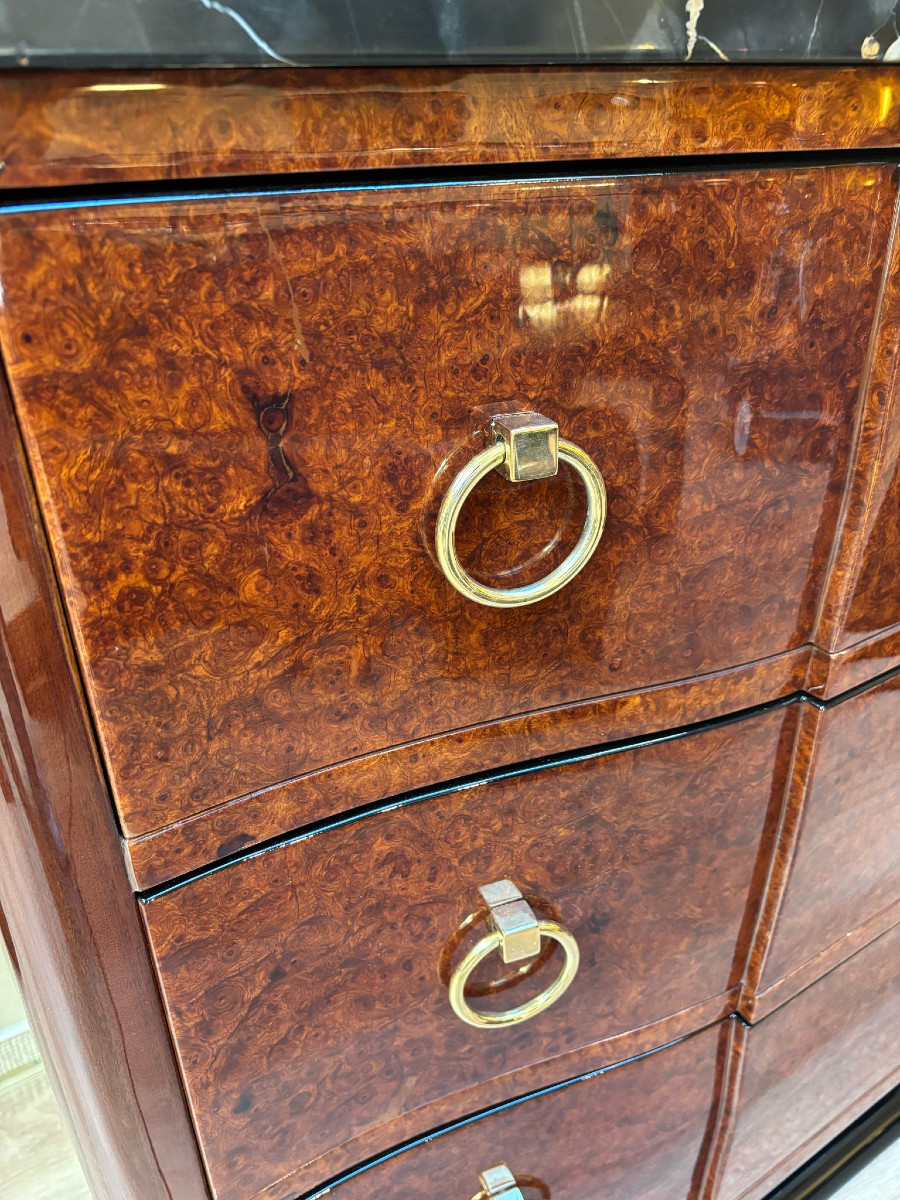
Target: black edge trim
51, 196
855, 1148
462, 783
865, 686
477, 779
377, 1159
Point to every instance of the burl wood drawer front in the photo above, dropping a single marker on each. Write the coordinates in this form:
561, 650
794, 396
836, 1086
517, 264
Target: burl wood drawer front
242, 413
303, 985
842, 882
807, 1071
634, 1133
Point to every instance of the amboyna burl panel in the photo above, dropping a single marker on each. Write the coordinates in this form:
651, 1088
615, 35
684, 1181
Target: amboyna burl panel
242, 412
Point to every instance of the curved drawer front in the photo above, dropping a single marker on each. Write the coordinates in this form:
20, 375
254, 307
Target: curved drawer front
843, 880
807, 1071
633, 1133
243, 413
304, 983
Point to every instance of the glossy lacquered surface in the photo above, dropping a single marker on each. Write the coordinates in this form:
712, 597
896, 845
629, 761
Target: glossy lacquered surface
89, 127
808, 1070
231, 829
859, 618
838, 882
242, 413
873, 607
634, 1133
68, 910
304, 984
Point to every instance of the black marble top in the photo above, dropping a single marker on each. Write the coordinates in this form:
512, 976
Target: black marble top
130, 33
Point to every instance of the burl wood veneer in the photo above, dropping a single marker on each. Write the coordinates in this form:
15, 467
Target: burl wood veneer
859, 619
231, 829
836, 881
104, 127
67, 905
807, 1071
302, 984
634, 1131
242, 412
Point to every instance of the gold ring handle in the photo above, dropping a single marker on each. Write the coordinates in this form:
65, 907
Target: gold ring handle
499, 1183
527, 446
517, 934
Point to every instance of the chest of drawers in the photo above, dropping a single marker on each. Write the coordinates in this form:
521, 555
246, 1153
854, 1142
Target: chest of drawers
326, 865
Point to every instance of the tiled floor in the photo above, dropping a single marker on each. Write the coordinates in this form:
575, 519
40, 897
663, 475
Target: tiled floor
879, 1180
37, 1161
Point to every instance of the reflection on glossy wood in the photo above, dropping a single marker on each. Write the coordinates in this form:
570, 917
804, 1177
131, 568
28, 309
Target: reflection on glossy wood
303, 984
634, 1133
838, 848
233, 828
80, 951
832, 675
106, 126
237, 423
862, 601
809, 1069
236, 410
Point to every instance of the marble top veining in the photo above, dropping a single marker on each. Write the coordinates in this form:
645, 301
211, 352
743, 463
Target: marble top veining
133, 33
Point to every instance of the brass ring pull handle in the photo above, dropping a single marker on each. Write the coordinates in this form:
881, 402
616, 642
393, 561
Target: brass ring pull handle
499, 1183
504, 980
526, 446
516, 932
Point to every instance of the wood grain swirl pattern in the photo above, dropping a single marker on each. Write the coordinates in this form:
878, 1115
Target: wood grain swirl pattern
809, 1070
596, 1137
838, 870
242, 412
235, 827
68, 911
302, 983
70, 128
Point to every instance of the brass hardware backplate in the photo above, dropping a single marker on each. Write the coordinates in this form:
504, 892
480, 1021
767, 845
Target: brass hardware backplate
513, 918
532, 445
497, 1182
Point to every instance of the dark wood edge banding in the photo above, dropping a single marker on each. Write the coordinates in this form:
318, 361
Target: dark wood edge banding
802, 759
731, 1058
876, 447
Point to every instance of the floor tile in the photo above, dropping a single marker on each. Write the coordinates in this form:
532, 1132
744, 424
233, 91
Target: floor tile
37, 1159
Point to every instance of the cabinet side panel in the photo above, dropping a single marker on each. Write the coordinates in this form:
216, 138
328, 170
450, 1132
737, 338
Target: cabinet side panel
64, 890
